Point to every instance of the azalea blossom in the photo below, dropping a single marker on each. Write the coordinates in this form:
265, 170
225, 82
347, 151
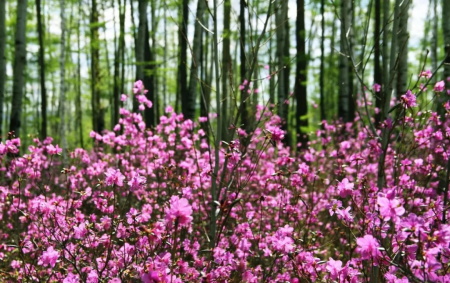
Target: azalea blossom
368, 247
49, 257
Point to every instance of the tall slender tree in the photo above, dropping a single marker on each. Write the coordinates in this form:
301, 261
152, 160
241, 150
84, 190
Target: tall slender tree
345, 109
20, 57
322, 62
78, 110
182, 86
446, 73
189, 98
98, 121
118, 64
282, 33
378, 73
300, 91
402, 47
140, 41
42, 63
62, 79
2, 62
149, 78
227, 68
243, 69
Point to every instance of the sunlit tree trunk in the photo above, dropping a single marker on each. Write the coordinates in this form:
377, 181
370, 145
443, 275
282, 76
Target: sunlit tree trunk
2, 62
20, 56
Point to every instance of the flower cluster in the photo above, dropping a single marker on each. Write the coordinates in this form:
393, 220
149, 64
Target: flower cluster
139, 206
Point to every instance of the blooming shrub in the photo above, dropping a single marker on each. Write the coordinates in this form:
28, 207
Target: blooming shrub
138, 206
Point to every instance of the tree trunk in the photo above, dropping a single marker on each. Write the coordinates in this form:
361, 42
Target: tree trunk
78, 111
243, 97
118, 63
378, 74
149, 78
385, 58
190, 96
227, 68
182, 87
98, 122
281, 33
62, 73
446, 74
155, 91
345, 86
322, 62
300, 90
402, 48
20, 57
140, 45
41, 60
2, 62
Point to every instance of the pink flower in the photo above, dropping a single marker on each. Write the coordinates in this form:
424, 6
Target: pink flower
49, 257
376, 87
114, 177
368, 247
92, 277
408, 99
427, 74
179, 211
71, 278
334, 267
52, 150
390, 208
150, 277
344, 214
123, 97
439, 86
138, 87
345, 188
275, 133
136, 182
